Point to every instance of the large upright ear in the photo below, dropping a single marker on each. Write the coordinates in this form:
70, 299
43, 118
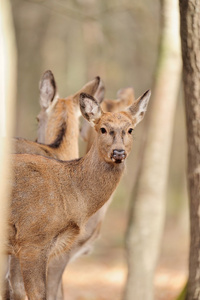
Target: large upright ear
90, 108
100, 92
89, 88
126, 96
47, 87
139, 107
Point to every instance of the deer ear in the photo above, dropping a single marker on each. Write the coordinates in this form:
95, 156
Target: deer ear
139, 107
100, 93
47, 87
126, 96
90, 108
89, 88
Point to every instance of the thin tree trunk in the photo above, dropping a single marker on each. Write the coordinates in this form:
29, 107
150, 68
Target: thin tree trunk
148, 210
190, 38
8, 93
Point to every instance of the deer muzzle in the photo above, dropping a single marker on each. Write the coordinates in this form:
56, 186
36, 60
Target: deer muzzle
118, 155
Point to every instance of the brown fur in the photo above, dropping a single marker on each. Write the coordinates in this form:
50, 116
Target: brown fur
52, 200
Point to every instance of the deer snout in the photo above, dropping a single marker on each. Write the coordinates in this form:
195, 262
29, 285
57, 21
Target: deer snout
118, 155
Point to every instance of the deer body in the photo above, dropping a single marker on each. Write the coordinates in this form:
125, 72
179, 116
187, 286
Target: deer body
52, 200
56, 192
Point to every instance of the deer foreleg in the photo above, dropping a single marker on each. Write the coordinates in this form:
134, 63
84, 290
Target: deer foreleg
33, 264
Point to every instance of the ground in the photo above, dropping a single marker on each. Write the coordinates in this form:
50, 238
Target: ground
102, 275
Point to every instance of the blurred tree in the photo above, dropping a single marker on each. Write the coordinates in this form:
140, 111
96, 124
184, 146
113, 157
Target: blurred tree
31, 25
147, 213
8, 73
190, 39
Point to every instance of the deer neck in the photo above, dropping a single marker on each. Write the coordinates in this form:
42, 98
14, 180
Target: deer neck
96, 180
65, 138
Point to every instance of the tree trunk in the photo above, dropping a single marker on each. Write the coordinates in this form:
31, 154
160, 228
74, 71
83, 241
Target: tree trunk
190, 38
8, 93
147, 213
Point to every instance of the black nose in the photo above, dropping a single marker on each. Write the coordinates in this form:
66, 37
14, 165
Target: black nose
119, 155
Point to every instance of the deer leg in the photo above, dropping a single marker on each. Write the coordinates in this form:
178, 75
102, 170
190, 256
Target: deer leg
33, 264
60, 292
5, 292
17, 291
56, 268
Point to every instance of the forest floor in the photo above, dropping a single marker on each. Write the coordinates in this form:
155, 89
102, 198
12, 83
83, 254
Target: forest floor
102, 275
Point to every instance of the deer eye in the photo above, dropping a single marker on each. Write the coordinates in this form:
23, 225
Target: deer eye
130, 130
103, 130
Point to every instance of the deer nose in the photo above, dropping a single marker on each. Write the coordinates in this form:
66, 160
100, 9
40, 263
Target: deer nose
118, 155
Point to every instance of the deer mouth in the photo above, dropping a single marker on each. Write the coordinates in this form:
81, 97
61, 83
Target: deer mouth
118, 156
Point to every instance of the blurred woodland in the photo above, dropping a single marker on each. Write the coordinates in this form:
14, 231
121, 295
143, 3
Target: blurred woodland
120, 42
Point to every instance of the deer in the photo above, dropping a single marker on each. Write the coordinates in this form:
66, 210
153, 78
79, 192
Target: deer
52, 200
84, 244
50, 105
58, 126
58, 131
125, 97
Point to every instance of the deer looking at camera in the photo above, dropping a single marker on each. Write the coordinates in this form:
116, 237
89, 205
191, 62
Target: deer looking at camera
125, 97
84, 243
52, 200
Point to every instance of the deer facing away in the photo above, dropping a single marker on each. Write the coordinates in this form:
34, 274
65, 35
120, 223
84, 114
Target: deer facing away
52, 200
58, 127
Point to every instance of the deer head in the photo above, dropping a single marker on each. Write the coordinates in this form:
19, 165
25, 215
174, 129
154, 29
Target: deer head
114, 130
54, 110
125, 97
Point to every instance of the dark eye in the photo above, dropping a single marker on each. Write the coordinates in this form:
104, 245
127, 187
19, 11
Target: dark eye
130, 130
103, 130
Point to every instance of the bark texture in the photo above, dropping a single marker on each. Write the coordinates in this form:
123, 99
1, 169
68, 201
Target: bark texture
148, 210
190, 38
